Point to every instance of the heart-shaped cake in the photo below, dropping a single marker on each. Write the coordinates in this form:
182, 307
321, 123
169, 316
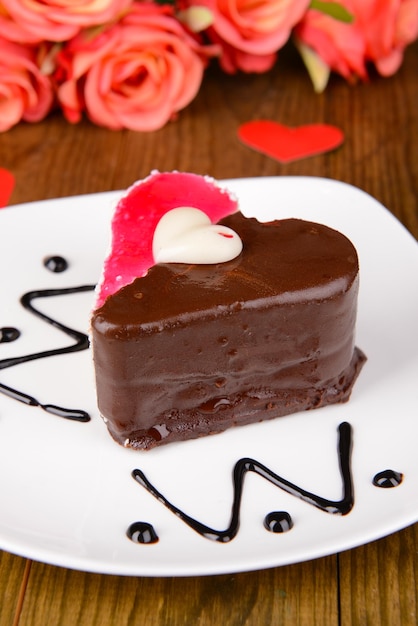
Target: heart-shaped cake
191, 348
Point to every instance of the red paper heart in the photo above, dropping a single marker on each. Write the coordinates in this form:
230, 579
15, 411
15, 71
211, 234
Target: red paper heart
289, 144
7, 183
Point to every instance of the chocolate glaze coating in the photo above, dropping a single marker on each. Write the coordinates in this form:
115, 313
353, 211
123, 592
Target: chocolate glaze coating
190, 350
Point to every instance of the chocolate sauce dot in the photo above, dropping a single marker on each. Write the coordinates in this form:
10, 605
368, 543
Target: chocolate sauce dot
387, 479
8, 334
278, 522
142, 532
56, 264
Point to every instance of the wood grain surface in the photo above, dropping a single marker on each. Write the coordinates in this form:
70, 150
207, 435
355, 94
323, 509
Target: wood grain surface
371, 585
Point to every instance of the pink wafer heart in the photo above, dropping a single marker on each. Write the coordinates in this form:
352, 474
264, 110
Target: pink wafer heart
138, 213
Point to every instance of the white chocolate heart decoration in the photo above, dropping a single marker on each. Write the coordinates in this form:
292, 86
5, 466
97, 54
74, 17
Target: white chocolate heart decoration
186, 235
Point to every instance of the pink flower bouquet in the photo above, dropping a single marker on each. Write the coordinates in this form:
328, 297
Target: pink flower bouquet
136, 63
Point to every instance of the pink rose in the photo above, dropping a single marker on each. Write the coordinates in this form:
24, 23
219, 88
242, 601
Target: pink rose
25, 93
11, 30
250, 33
340, 45
388, 27
379, 33
136, 74
32, 21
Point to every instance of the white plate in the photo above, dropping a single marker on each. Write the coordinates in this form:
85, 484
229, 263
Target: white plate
66, 491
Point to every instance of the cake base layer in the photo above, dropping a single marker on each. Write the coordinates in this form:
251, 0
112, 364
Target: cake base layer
255, 405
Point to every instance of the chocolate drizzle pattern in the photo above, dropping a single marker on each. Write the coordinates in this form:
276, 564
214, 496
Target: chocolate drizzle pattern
144, 532
244, 465
81, 342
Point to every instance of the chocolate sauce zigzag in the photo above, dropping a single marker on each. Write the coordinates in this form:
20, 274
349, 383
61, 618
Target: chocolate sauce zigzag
81, 343
244, 465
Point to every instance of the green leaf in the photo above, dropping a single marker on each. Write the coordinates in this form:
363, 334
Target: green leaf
333, 9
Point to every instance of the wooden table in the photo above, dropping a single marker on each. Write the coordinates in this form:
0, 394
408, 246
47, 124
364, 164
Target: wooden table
374, 584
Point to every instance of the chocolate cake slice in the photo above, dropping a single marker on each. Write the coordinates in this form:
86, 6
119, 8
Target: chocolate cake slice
191, 349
